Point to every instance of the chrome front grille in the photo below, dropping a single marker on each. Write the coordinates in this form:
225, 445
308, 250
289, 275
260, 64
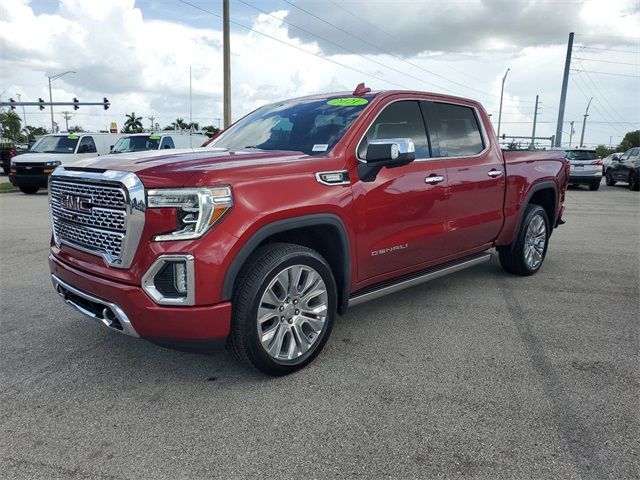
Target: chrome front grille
98, 213
89, 238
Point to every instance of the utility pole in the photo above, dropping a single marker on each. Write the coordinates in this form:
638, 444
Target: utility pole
67, 117
563, 94
504, 79
610, 138
24, 113
571, 132
190, 116
584, 122
535, 120
51, 79
151, 119
226, 60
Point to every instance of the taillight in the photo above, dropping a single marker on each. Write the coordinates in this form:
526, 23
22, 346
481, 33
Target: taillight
596, 162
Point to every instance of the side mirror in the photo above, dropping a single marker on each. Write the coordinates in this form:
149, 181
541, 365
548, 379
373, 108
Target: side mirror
390, 153
111, 148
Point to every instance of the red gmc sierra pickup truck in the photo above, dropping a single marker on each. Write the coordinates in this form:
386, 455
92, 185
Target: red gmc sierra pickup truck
298, 211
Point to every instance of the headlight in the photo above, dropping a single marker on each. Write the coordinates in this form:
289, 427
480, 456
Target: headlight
54, 163
198, 209
12, 163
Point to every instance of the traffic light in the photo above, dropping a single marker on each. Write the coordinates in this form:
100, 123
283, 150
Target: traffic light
12, 102
41, 102
106, 103
75, 103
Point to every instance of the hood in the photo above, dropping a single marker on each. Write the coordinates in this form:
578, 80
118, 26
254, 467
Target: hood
28, 157
174, 168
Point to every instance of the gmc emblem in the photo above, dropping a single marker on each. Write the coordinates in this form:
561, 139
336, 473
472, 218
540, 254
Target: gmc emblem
75, 203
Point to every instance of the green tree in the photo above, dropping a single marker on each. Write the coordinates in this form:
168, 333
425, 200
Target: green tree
631, 139
35, 131
133, 124
180, 124
211, 130
603, 150
11, 125
77, 128
193, 125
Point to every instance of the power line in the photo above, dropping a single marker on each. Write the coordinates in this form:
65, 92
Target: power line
635, 52
606, 61
294, 46
386, 51
341, 46
601, 96
605, 73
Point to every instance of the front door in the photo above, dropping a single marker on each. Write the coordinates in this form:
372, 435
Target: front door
400, 216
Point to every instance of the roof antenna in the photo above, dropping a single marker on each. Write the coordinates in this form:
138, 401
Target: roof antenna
361, 90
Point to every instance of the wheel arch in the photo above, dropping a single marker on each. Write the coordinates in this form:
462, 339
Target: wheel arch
320, 232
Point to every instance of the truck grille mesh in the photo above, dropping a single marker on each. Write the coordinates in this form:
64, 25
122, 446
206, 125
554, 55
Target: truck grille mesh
103, 230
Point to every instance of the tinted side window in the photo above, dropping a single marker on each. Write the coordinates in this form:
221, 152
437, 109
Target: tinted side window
398, 120
453, 129
167, 142
87, 145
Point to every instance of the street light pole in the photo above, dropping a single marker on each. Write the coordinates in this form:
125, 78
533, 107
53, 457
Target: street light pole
504, 79
584, 122
51, 79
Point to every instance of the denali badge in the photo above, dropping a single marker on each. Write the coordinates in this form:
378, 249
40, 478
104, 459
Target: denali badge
77, 204
395, 248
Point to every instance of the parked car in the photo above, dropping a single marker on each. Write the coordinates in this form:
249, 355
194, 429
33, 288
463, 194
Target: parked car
30, 172
626, 169
138, 142
606, 161
7, 152
300, 210
586, 167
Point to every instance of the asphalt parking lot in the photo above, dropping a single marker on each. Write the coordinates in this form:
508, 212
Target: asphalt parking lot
476, 375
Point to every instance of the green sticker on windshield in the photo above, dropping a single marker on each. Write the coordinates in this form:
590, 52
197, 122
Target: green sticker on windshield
73, 137
347, 102
154, 137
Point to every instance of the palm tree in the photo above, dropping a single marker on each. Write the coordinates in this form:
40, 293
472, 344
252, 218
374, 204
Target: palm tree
180, 124
133, 124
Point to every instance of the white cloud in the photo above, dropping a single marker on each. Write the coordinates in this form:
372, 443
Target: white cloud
142, 65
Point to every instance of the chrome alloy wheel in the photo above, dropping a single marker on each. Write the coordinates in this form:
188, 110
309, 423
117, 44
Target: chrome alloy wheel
534, 242
292, 312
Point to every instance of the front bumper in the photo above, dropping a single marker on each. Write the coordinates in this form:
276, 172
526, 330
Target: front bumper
129, 310
39, 180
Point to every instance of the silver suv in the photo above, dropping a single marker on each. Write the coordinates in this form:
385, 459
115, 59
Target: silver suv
586, 168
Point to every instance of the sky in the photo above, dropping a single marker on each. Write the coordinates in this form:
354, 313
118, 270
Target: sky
138, 54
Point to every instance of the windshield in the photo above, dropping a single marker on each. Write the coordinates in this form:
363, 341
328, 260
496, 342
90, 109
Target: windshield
138, 143
581, 155
56, 144
311, 126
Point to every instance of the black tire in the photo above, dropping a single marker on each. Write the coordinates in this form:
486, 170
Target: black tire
594, 186
610, 181
253, 280
6, 170
512, 257
29, 190
634, 184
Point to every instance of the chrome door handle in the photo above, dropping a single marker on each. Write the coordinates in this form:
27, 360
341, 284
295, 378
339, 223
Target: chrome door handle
494, 173
434, 179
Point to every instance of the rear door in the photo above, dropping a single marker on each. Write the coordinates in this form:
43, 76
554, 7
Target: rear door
475, 175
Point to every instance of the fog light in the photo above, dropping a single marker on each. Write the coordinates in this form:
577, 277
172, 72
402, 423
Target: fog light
180, 277
171, 280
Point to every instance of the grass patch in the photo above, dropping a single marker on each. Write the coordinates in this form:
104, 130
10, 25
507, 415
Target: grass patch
4, 186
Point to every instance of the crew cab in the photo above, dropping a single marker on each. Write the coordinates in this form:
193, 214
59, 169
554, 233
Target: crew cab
299, 211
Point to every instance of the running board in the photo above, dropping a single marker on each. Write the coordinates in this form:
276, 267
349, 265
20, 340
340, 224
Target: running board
380, 290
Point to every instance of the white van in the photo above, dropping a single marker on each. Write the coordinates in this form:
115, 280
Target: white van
138, 142
30, 171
